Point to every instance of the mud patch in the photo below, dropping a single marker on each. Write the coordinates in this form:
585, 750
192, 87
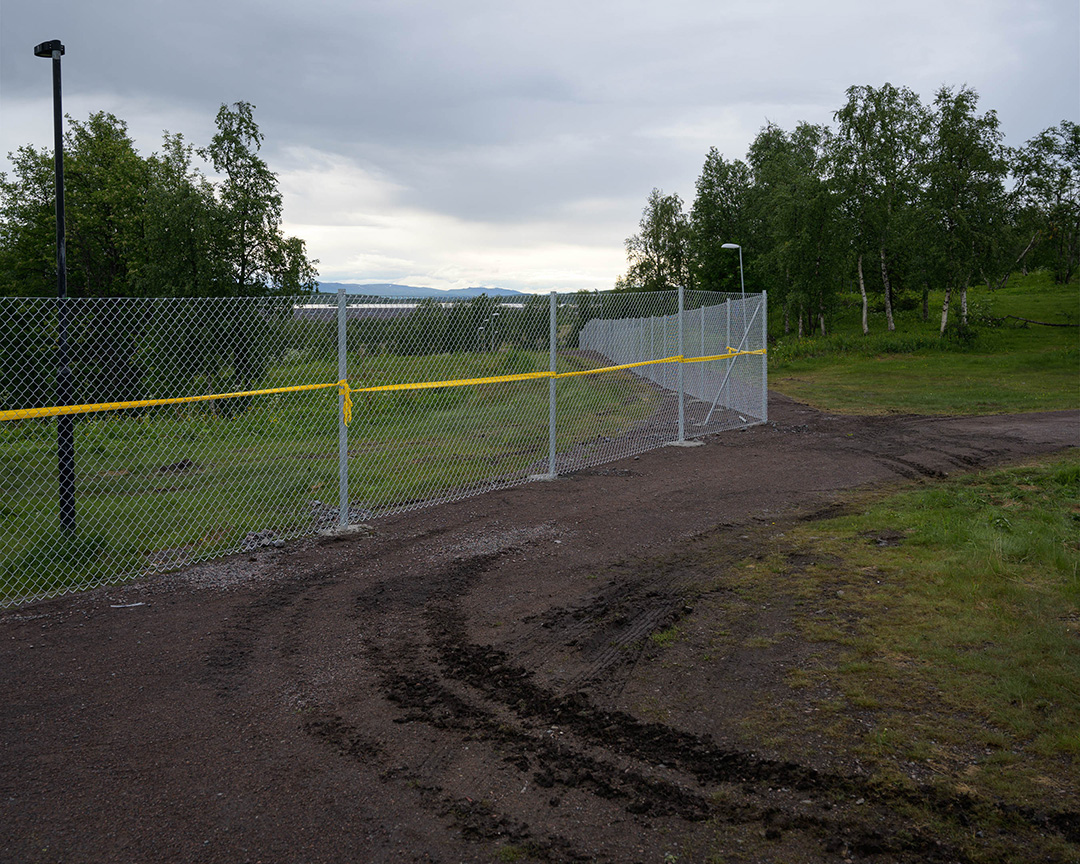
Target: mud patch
884, 538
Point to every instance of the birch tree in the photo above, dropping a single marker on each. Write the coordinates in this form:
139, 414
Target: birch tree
966, 172
1047, 173
260, 257
797, 211
721, 214
884, 133
659, 254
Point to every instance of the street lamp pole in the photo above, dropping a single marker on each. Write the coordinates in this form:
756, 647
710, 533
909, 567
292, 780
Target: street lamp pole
65, 426
742, 284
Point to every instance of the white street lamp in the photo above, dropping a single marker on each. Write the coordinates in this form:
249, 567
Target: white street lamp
742, 284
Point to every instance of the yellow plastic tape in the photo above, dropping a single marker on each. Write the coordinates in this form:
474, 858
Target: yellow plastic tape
345, 390
674, 359
731, 352
61, 410
457, 382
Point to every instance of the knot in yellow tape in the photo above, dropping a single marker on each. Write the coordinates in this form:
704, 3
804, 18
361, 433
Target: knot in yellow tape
346, 405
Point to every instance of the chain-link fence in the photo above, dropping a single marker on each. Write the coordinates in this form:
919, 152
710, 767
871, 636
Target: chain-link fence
185, 429
718, 391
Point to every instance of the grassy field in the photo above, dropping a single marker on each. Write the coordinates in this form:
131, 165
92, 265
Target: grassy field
182, 483
946, 620
1006, 365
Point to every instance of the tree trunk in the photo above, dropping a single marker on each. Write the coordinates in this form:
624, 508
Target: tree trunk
1027, 248
800, 322
787, 317
1008, 273
888, 292
963, 304
821, 317
243, 261
945, 308
862, 290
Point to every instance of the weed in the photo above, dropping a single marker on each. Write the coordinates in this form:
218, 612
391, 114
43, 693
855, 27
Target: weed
800, 678
666, 637
79, 559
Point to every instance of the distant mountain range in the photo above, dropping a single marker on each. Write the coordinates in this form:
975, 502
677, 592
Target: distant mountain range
386, 289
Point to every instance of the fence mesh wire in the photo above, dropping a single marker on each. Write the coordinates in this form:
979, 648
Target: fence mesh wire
158, 486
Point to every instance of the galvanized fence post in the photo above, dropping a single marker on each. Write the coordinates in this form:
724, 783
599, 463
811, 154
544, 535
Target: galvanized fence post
727, 337
701, 365
765, 357
552, 340
682, 399
343, 430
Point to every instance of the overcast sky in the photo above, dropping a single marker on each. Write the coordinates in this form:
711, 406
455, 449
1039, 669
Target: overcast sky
450, 143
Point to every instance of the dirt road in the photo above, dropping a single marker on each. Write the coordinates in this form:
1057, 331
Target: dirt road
471, 682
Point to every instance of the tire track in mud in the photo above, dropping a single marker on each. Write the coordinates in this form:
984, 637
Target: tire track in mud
608, 630
947, 451
230, 657
622, 736
879, 436
477, 691
908, 468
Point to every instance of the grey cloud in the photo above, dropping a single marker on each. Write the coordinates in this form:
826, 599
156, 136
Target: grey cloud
516, 111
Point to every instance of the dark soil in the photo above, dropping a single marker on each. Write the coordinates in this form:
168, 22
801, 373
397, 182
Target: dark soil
484, 680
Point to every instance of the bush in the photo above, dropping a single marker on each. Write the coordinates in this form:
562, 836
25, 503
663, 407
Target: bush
961, 334
856, 346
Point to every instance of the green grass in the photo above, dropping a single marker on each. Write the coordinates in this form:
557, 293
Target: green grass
512, 852
665, 637
180, 483
960, 644
1003, 366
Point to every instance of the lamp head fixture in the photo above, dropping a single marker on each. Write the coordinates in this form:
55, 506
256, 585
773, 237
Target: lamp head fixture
46, 49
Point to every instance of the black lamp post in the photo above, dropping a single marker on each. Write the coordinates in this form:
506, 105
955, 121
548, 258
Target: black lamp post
65, 427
